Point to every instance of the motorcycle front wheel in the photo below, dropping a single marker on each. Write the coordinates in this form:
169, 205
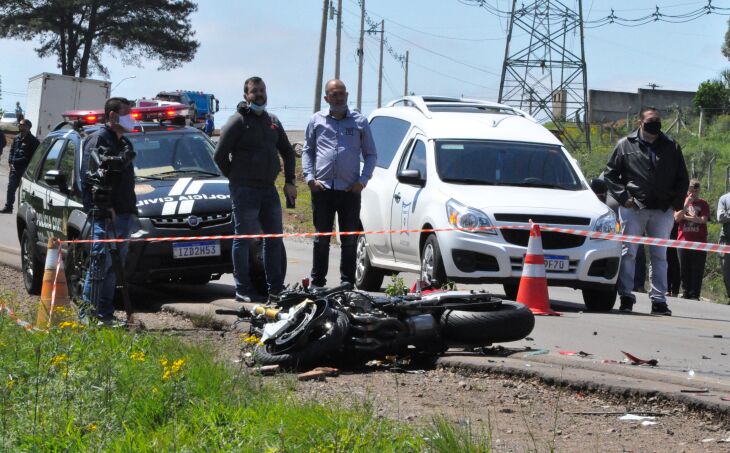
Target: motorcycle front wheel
509, 321
323, 343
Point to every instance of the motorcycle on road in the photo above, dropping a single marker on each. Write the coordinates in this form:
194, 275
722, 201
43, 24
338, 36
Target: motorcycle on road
301, 327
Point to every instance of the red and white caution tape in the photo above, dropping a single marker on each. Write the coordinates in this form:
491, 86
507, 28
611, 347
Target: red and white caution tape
673, 243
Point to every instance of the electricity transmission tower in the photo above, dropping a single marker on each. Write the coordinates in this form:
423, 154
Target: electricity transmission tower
544, 70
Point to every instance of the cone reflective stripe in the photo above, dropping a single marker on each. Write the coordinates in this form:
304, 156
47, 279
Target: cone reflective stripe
533, 291
55, 305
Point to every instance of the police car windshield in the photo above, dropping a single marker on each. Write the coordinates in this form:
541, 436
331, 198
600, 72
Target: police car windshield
169, 154
505, 164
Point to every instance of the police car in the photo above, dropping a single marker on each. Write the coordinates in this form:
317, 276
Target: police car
180, 193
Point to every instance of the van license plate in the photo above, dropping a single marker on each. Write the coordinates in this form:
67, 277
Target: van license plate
556, 263
195, 249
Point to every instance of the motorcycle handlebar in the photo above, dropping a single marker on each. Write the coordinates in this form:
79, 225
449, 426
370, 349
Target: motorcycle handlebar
242, 313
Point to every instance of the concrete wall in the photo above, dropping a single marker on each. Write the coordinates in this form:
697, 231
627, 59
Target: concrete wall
607, 106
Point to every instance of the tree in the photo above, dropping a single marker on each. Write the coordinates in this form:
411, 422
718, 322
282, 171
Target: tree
78, 32
713, 96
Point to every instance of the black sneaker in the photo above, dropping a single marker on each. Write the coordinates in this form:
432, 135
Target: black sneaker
7, 210
627, 304
660, 308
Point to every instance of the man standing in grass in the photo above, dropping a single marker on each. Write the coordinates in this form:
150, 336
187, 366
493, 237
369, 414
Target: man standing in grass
336, 139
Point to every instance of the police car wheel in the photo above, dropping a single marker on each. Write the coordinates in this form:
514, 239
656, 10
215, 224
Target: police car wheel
32, 267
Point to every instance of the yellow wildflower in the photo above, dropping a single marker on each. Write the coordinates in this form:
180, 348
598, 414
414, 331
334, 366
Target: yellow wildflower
91, 427
71, 325
11, 382
59, 359
250, 339
166, 374
137, 356
177, 365
163, 362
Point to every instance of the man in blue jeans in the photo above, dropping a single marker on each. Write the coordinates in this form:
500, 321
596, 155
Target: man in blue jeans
647, 175
113, 216
336, 139
248, 155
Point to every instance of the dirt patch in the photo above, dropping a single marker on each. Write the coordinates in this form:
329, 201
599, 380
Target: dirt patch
518, 414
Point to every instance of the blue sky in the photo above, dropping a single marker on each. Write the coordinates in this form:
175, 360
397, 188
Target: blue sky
455, 49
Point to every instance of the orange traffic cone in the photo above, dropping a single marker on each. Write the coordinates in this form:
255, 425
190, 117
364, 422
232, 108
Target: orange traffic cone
533, 290
55, 305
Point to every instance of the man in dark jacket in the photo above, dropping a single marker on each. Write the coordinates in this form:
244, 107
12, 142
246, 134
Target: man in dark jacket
114, 217
248, 155
21, 151
647, 175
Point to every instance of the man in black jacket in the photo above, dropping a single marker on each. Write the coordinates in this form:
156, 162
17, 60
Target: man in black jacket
108, 144
21, 151
248, 155
647, 175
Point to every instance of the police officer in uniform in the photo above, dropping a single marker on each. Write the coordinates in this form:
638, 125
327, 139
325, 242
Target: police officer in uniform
21, 151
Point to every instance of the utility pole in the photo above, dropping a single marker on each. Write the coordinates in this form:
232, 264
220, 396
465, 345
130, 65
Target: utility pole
542, 70
361, 55
338, 46
320, 63
405, 89
380, 68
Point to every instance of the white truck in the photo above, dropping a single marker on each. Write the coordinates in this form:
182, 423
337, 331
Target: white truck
49, 95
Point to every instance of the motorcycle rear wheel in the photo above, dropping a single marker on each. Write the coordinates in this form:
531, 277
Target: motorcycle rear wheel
511, 321
311, 353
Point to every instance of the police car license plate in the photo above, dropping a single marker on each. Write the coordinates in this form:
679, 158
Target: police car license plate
195, 249
556, 263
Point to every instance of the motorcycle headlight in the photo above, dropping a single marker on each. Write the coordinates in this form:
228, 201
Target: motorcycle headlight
466, 218
607, 223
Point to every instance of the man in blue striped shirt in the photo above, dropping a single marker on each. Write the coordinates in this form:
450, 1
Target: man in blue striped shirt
336, 140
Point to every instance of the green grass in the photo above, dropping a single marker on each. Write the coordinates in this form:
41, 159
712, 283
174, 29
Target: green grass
90, 389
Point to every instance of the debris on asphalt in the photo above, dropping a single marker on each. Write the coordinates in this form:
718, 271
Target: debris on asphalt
578, 353
725, 398
648, 423
695, 391
611, 361
717, 336
705, 357
637, 361
319, 374
636, 418
691, 373
538, 352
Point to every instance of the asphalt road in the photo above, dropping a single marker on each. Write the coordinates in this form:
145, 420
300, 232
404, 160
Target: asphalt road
696, 338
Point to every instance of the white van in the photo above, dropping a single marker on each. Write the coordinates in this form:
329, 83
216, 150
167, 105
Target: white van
458, 163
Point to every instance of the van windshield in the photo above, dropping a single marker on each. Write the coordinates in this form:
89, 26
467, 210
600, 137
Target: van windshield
486, 162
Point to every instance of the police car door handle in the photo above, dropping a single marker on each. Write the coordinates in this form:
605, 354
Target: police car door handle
396, 197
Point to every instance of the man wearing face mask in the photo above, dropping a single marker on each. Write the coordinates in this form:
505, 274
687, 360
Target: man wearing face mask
248, 155
336, 138
647, 175
21, 150
108, 142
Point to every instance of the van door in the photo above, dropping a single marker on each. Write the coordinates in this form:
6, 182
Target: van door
389, 135
405, 202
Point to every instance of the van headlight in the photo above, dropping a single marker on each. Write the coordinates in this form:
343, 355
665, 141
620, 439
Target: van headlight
606, 223
466, 218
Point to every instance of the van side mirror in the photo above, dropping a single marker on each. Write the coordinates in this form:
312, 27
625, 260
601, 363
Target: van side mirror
55, 178
412, 177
